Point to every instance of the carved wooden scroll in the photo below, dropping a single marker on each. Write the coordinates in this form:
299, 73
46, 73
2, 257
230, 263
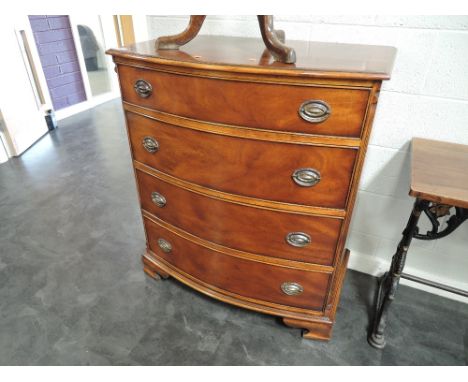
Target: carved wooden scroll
273, 39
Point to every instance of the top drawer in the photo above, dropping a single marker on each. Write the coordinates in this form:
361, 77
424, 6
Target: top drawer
327, 111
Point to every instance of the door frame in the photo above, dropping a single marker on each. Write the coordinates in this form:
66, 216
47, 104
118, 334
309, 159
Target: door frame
110, 41
130, 29
24, 106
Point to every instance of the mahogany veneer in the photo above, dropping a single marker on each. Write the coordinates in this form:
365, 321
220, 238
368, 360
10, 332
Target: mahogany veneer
260, 105
254, 229
254, 168
247, 168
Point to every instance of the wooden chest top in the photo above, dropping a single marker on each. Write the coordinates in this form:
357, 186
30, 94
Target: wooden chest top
248, 55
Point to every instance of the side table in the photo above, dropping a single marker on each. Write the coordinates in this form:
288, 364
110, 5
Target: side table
439, 182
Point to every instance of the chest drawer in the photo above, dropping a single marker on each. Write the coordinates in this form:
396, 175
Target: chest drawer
271, 283
325, 110
290, 173
245, 228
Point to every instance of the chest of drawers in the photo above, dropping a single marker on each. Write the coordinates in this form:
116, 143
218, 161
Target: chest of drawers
247, 169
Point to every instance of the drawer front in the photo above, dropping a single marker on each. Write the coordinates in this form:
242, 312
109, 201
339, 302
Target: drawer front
302, 289
249, 229
265, 106
246, 167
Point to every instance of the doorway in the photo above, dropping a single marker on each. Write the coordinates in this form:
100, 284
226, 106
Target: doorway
79, 75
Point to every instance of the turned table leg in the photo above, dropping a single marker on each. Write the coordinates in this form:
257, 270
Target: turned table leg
274, 41
389, 282
175, 41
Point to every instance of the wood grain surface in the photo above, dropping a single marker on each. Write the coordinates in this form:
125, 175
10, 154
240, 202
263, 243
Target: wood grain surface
242, 166
244, 277
250, 104
240, 227
238, 54
439, 172
226, 118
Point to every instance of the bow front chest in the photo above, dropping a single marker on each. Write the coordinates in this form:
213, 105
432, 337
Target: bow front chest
247, 169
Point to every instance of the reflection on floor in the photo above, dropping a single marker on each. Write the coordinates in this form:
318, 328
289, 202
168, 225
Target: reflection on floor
72, 289
99, 81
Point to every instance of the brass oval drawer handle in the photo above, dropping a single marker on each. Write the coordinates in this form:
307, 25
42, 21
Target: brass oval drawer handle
298, 239
158, 199
291, 288
143, 88
315, 111
150, 144
165, 245
306, 177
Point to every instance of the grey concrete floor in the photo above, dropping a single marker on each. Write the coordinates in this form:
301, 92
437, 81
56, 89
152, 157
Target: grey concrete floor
72, 289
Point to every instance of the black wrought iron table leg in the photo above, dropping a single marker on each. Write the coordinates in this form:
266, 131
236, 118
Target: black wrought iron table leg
390, 280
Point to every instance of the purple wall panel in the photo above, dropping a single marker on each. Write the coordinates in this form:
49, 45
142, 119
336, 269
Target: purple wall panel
39, 24
53, 35
60, 103
57, 47
65, 79
59, 22
65, 57
51, 72
77, 97
57, 51
65, 90
70, 67
48, 60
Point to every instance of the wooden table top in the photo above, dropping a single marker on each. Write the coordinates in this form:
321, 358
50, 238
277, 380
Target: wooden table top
439, 172
318, 59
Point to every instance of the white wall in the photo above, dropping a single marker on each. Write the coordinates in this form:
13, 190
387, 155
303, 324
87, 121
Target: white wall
426, 97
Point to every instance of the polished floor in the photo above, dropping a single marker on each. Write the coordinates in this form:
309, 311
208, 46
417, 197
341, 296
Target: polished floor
72, 289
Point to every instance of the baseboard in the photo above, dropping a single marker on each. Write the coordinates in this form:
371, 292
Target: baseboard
376, 267
83, 106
